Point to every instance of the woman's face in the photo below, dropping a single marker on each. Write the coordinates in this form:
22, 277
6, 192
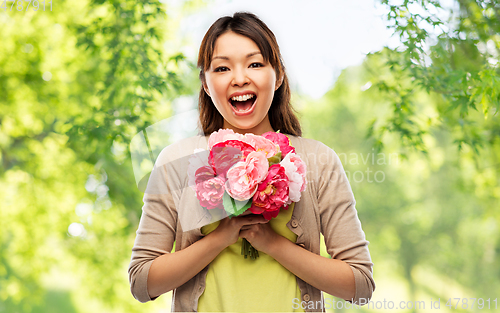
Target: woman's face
241, 84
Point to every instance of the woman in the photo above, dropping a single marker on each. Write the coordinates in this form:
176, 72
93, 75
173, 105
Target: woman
245, 88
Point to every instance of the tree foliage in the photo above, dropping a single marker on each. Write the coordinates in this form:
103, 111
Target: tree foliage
453, 54
431, 219
76, 83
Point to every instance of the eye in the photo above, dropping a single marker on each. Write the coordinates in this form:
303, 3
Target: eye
256, 64
221, 69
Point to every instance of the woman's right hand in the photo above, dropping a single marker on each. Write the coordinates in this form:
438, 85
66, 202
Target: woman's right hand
171, 270
228, 230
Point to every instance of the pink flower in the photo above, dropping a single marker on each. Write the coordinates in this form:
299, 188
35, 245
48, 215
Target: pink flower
272, 193
226, 154
281, 140
209, 189
244, 176
262, 144
198, 159
223, 135
295, 170
301, 168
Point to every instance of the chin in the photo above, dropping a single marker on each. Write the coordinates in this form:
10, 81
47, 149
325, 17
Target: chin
245, 125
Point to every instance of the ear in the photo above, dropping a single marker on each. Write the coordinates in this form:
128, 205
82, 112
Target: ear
204, 82
278, 83
205, 87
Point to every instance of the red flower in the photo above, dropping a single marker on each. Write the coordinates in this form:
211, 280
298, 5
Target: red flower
271, 193
281, 140
225, 154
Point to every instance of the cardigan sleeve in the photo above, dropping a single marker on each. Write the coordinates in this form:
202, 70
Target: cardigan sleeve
157, 228
340, 225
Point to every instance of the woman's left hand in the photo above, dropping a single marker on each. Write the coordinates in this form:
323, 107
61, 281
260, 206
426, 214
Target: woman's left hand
260, 236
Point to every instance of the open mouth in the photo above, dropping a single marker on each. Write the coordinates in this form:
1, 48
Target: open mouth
244, 103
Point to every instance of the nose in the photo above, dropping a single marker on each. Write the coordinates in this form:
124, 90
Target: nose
240, 78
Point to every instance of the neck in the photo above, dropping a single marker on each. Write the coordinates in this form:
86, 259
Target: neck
260, 129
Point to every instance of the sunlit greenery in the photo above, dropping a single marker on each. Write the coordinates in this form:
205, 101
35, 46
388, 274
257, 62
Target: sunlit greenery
76, 84
431, 218
417, 129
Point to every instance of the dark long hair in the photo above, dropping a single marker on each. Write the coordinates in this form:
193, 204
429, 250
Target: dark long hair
281, 114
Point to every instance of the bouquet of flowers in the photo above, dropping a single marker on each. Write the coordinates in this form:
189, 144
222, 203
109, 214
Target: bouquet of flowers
247, 172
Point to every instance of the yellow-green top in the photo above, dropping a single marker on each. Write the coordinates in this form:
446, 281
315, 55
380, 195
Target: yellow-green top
236, 284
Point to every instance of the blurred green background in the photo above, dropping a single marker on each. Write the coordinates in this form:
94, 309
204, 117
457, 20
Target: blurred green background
416, 127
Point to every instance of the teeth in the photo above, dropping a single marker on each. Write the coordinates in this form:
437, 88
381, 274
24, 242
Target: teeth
242, 98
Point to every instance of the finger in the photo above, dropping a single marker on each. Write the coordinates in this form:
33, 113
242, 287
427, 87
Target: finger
250, 220
245, 227
246, 233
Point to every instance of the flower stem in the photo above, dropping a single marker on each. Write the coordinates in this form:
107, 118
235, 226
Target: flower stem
248, 251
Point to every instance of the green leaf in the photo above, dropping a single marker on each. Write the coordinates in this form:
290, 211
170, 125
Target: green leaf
275, 159
234, 207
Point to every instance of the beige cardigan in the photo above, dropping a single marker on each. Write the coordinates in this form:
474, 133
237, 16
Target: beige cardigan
327, 206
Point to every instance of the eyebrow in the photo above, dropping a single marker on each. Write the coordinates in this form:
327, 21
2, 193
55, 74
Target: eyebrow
226, 58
